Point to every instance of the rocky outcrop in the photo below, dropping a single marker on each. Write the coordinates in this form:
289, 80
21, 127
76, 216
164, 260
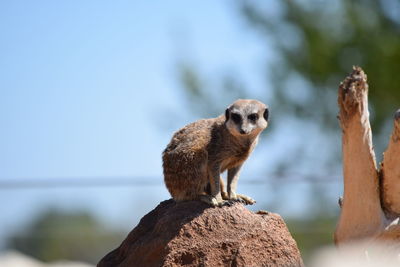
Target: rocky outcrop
195, 234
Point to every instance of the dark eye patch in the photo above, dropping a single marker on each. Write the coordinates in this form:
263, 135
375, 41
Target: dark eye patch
266, 114
253, 117
236, 118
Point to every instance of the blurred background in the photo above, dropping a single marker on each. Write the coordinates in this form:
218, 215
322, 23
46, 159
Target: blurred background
91, 93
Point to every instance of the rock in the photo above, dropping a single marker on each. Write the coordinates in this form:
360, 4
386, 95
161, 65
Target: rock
195, 234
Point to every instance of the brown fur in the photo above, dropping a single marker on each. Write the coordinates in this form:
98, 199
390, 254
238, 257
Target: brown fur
200, 151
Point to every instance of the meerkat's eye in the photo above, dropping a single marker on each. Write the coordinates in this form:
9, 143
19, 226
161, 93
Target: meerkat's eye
253, 117
236, 118
266, 114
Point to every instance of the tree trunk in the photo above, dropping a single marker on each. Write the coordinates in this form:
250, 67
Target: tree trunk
361, 214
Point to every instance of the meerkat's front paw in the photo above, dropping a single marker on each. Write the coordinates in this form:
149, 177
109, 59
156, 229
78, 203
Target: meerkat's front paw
241, 198
213, 201
234, 197
247, 200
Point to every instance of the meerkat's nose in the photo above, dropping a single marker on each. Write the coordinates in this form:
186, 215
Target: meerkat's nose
242, 131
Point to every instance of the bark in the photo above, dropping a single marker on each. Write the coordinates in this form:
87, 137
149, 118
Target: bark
361, 214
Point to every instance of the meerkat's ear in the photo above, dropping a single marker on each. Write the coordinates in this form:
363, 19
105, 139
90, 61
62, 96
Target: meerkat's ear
226, 114
266, 114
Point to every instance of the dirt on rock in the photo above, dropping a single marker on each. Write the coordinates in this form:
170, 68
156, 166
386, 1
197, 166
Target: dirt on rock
195, 234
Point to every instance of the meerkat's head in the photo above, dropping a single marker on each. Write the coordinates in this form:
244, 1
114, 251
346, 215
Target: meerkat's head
246, 117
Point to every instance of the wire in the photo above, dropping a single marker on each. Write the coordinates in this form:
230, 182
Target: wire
115, 181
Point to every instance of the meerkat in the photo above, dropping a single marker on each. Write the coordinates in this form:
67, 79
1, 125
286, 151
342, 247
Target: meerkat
199, 152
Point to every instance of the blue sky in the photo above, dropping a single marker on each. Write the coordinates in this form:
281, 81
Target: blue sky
83, 86
90, 89
81, 83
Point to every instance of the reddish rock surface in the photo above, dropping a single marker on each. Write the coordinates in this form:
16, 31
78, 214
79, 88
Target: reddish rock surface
195, 234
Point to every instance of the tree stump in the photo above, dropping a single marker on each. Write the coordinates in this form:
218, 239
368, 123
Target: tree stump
371, 200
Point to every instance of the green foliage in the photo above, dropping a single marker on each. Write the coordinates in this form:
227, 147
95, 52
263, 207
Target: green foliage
73, 236
319, 42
